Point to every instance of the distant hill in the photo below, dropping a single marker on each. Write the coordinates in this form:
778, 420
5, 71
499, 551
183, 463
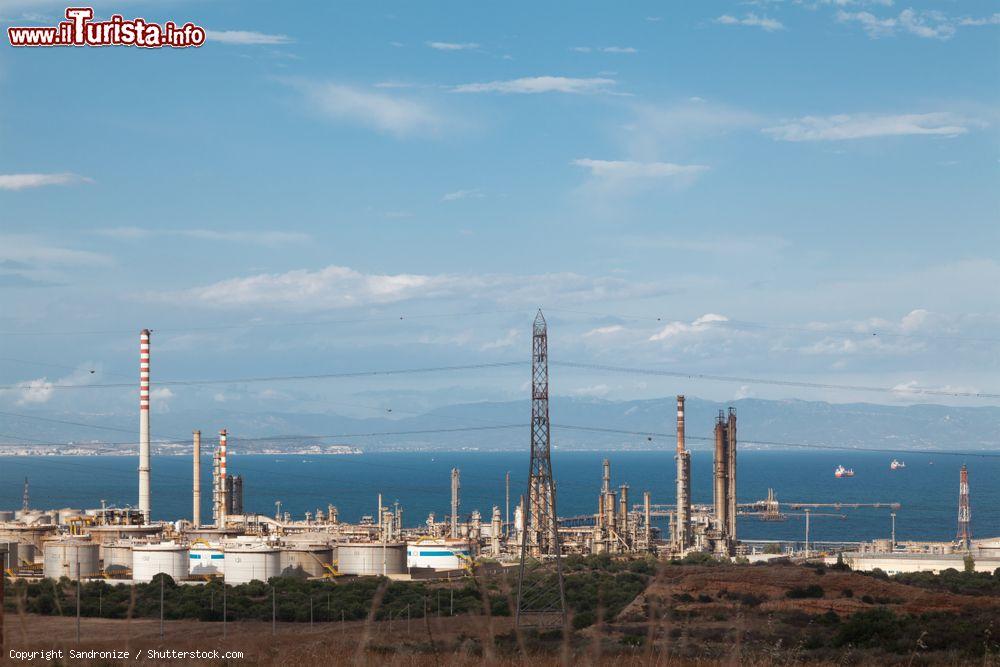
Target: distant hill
787, 421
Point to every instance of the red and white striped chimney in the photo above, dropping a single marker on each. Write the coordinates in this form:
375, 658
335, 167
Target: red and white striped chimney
144, 501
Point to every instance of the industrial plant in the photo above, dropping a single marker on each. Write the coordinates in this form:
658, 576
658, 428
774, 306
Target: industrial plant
126, 544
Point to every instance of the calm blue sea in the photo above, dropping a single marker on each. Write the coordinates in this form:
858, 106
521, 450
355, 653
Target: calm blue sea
927, 488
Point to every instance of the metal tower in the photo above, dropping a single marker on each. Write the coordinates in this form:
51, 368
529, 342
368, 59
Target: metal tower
964, 512
541, 598
25, 501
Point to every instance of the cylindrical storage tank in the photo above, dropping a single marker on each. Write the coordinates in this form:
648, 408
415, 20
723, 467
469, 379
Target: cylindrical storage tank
6, 515
8, 554
65, 514
70, 558
310, 560
117, 557
170, 558
371, 558
248, 562
438, 554
206, 561
25, 554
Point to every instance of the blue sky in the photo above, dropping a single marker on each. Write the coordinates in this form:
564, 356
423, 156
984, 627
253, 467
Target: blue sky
741, 188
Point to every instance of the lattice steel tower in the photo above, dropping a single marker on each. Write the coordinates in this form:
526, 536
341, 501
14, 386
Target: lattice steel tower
964, 512
541, 599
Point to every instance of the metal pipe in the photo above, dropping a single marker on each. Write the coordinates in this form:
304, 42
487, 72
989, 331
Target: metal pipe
721, 505
682, 523
223, 491
454, 502
731, 478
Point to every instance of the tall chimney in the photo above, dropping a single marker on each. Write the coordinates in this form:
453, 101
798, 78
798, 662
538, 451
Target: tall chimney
144, 425
721, 461
682, 526
454, 502
196, 483
731, 477
964, 510
221, 481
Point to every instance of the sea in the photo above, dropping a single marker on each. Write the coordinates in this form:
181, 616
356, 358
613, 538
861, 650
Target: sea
927, 488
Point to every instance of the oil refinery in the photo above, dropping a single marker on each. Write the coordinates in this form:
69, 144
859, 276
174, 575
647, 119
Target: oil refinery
125, 544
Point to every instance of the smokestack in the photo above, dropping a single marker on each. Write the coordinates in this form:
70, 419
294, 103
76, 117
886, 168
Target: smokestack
682, 525
731, 477
454, 502
646, 516
721, 461
196, 483
144, 501
606, 485
964, 510
623, 511
221, 481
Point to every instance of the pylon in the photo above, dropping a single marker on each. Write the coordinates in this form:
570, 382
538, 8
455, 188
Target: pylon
541, 597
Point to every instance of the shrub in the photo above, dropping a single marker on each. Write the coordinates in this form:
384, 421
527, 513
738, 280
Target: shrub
811, 591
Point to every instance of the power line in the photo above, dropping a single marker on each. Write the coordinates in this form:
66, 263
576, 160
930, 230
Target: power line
286, 378
401, 317
781, 383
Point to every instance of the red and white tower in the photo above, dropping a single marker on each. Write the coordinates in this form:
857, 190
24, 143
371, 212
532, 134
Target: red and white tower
144, 424
964, 512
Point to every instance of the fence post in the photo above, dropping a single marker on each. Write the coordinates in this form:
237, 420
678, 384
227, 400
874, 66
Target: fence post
162, 576
224, 614
274, 626
310, 611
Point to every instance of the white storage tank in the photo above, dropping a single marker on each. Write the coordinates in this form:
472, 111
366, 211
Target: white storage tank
206, 560
438, 554
170, 558
6, 515
251, 562
70, 558
310, 559
371, 558
117, 557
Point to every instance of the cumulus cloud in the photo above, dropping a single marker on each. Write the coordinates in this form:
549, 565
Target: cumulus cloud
25, 181
41, 390
383, 112
539, 84
929, 24
864, 126
753, 20
453, 46
246, 37
344, 287
676, 329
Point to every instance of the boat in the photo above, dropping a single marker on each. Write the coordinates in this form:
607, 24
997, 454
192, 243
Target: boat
896, 464
841, 471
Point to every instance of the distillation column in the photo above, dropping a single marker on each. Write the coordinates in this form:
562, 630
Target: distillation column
196, 483
454, 502
682, 525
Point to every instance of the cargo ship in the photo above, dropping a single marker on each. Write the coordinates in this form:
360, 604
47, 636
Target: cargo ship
841, 471
896, 464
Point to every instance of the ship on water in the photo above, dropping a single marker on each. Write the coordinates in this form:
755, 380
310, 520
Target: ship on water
841, 471
896, 465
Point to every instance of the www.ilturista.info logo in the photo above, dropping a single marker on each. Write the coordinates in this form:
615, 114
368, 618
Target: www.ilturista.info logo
81, 30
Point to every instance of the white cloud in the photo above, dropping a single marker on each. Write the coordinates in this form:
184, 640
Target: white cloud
627, 169
507, 340
864, 126
393, 114
453, 46
41, 390
30, 250
24, 181
34, 391
539, 84
592, 391
929, 24
265, 238
246, 37
344, 287
751, 19
604, 331
993, 19
676, 329
606, 49
463, 194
